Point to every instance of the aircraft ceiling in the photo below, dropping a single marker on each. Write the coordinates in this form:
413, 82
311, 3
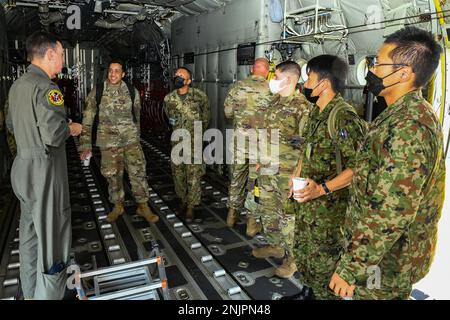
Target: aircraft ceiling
122, 25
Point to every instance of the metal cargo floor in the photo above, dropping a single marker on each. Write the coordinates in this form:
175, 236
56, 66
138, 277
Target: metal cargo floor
204, 259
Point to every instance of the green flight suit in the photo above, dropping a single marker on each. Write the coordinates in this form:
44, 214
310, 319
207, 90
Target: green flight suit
39, 179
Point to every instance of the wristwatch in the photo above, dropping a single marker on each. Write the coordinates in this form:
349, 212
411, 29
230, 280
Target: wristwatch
325, 188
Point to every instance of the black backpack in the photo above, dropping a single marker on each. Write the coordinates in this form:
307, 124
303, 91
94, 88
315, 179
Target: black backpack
98, 98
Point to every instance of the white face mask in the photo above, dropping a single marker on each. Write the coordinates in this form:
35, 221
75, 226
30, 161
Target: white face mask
276, 85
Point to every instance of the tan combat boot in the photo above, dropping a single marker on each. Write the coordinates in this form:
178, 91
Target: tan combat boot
232, 217
287, 269
144, 211
268, 252
190, 213
253, 227
115, 213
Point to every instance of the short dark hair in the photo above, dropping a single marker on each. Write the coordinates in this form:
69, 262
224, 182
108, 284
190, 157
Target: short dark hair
117, 61
290, 67
39, 42
187, 70
332, 68
417, 49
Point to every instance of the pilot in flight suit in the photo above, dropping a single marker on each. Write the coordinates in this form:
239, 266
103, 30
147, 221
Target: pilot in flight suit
39, 174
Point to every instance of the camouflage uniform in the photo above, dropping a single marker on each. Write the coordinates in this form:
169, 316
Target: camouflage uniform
118, 139
396, 200
318, 239
246, 103
182, 113
288, 115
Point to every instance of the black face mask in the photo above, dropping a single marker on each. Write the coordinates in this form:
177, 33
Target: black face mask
308, 94
375, 83
178, 82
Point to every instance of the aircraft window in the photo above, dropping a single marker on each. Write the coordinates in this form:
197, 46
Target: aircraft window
304, 73
302, 63
361, 71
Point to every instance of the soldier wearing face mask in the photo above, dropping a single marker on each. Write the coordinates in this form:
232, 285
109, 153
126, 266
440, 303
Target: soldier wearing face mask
327, 163
184, 106
399, 184
286, 117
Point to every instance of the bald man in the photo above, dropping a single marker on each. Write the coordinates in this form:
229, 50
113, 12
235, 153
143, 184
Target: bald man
246, 103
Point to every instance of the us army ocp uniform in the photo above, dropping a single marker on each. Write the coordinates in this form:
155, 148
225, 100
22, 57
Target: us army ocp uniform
247, 103
39, 180
397, 198
318, 237
287, 116
183, 111
118, 138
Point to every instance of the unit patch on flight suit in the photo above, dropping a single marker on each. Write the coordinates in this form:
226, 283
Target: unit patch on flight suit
55, 97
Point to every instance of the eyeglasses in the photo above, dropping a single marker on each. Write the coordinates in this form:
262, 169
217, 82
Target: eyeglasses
373, 62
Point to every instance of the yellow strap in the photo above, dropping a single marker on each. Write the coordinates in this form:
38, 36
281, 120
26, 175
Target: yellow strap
271, 71
442, 22
444, 84
256, 192
437, 3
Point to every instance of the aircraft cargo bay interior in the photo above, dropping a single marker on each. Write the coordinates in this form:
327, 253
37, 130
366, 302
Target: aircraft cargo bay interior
224, 149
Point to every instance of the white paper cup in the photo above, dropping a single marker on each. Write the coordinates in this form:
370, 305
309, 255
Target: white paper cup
87, 160
299, 183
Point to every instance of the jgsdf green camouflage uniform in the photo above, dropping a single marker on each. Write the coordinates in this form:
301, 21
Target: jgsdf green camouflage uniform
318, 239
119, 140
183, 112
288, 115
247, 103
396, 200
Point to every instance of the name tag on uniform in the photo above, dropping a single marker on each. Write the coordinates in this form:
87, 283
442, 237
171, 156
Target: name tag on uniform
172, 121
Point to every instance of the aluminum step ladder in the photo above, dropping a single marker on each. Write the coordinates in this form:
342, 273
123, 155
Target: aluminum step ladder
129, 281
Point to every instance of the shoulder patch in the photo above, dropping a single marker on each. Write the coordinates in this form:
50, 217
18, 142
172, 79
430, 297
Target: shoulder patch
55, 97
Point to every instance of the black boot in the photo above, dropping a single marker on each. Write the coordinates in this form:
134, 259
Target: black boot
190, 213
181, 210
307, 293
